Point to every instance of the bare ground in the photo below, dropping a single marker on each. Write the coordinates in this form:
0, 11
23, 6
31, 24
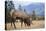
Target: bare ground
35, 25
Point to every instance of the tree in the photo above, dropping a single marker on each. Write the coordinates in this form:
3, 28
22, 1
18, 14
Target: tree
24, 10
8, 7
34, 15
20, 7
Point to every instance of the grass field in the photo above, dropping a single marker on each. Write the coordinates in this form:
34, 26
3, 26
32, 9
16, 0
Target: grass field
35, 25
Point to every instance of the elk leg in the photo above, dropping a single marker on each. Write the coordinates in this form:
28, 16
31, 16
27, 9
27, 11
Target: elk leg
21, 24
14, 25
25, 24
11, 23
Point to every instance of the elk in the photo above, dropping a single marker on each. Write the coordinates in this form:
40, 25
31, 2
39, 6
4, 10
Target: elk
22, 19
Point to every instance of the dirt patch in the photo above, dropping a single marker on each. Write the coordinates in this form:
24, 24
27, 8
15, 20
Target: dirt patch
35, 25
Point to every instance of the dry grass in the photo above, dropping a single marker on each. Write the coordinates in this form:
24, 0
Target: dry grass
35, 25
